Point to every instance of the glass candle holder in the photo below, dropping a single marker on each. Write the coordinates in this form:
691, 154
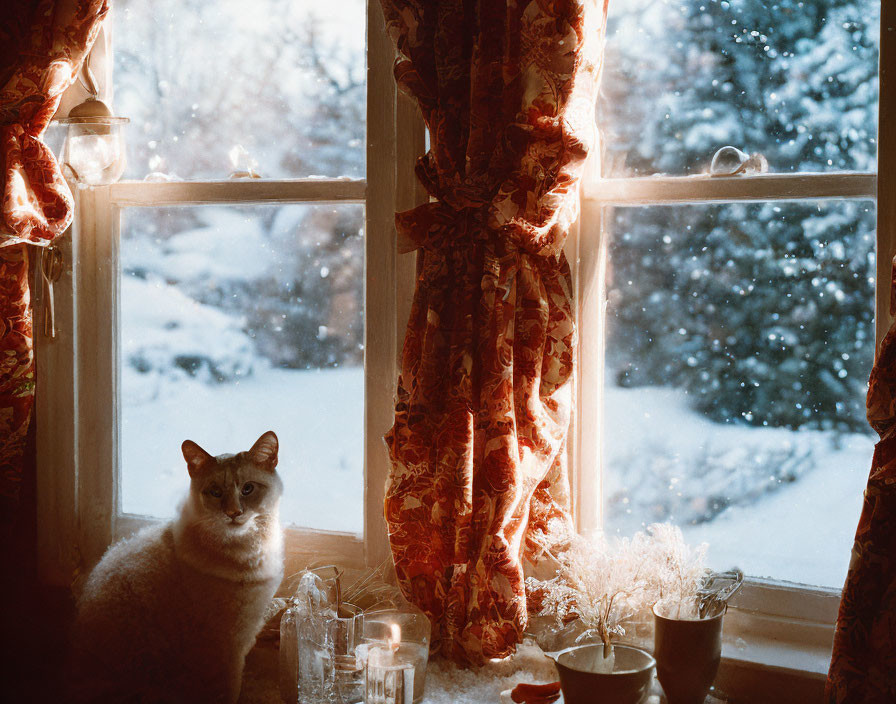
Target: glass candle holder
395, 654
319, 635
93, 153
345, 637
389, 676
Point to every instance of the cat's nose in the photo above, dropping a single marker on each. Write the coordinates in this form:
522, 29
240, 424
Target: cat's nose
234, 513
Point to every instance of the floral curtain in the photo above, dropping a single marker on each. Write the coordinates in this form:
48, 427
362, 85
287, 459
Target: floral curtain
863, 668
478, 448
44, 43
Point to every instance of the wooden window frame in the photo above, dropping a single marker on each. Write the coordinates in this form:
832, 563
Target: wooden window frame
772, 624
77, 407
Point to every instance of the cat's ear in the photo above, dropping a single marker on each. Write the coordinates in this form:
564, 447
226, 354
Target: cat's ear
264, 451
196, 457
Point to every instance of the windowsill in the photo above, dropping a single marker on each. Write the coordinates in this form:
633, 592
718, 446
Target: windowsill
771, 653
770, 673
445, 683
777, 643
764, 671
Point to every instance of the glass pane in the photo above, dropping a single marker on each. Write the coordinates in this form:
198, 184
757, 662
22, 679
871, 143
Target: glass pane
740, 339
213, 88
795, 81
236, 320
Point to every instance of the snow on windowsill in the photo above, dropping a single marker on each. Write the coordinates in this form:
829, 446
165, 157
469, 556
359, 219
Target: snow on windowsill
445, 683
448, 684
765, 673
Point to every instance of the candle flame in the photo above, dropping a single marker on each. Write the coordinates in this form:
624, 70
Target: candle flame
394, 636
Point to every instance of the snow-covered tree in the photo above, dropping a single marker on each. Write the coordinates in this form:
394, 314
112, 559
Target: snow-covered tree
280, 85
763, 312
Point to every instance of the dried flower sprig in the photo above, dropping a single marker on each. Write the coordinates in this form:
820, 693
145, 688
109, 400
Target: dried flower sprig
680, 569
605, 582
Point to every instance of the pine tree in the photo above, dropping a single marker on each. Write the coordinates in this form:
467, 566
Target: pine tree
762, 312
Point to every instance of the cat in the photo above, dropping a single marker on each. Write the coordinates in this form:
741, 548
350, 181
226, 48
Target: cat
169, 614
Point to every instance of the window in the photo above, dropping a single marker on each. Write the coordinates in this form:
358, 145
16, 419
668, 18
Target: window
242, 277
696, 294
728, 324
234, 318
739, 341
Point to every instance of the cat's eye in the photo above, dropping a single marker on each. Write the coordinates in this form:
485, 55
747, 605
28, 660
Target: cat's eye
248, 489
216, 492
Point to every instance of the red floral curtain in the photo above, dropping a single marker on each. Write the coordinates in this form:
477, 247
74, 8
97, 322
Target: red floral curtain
863, 668
43, 45
507, 90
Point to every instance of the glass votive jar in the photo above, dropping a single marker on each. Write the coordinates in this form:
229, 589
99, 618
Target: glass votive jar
389, 678
93, 153
395, 653
345, 637
318, 638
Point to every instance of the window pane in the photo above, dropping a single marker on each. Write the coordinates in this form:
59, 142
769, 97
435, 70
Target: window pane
795, 81
237, 320
740, 339
215, 87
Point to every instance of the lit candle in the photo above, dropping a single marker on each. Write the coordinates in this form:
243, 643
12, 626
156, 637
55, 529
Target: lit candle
390, 673
394, 656
394, 637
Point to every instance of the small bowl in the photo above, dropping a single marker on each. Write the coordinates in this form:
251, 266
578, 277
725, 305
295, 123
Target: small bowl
629, 683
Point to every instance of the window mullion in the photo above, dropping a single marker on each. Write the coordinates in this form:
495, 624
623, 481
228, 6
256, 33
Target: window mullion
886, 183
380, 256
96, 288
679, 190
395, 138
248, 192
590, 264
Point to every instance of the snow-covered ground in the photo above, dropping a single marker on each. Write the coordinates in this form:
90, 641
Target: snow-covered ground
799, 530
318, 417
775, 502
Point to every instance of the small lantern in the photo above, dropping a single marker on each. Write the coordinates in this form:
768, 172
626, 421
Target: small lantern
93, 153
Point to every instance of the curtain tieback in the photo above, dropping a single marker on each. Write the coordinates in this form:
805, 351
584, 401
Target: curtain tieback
437, 226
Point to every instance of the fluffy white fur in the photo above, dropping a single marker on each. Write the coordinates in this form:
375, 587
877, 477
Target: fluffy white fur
169, 614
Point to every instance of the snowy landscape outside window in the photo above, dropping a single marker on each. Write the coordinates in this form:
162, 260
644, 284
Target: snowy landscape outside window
213, 87
243, 276
236, 318
738, 336
233, 318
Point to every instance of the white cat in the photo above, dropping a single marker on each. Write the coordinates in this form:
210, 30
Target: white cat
169, 614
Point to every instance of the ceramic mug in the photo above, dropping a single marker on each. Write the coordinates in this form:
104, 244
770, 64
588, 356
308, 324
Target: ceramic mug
688, 652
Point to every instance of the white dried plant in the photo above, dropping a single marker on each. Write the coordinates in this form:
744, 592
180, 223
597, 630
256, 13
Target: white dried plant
605, 582
680, 569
